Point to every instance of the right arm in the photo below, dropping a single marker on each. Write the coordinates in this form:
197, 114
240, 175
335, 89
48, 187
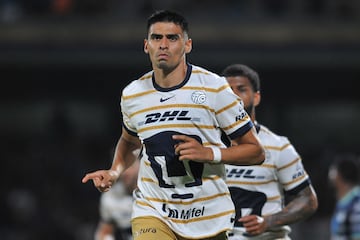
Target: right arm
123, 158
247, 151
301, 206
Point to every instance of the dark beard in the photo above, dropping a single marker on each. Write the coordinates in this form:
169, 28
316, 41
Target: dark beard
249, 109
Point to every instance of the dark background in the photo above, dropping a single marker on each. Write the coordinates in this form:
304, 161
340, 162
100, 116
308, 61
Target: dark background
63, 64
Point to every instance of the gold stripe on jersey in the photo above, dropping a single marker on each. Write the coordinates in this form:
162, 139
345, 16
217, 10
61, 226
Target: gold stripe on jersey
233, 104
277, 148
176, 126
296, 179
138, 94
290, 164
209, 217
156, 182
214, 90
149, 180
146, 76
211, 178
181, 202
245, 119
265, 165
223, 87
212, 144
143, 204
172, 106
249, 183
273, 198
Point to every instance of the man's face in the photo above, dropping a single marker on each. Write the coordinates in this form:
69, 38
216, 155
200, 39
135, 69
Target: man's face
242, 87
333, 176
166, 45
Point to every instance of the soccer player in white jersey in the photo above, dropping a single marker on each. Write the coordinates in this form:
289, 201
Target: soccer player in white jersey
258, 191
115, 207
177, 112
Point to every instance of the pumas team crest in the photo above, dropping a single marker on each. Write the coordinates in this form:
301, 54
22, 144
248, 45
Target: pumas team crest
198, 97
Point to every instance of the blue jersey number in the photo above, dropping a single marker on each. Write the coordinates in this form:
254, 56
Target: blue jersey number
166, 165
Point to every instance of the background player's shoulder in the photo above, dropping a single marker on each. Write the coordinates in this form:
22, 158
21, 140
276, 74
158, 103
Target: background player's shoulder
269, 136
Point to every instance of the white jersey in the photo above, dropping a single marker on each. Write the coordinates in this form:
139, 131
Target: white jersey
116, 207
260, 189
191, 197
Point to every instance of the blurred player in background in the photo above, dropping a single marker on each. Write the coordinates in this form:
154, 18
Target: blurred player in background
258, 191
344, 175
116, 207
176, 113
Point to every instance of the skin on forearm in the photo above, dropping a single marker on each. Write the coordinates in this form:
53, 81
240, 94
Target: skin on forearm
303, 205
245, 150
124, 156
244, 154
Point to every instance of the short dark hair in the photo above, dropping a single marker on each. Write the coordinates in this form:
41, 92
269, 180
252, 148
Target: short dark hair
347, 166
168, 16
240, 70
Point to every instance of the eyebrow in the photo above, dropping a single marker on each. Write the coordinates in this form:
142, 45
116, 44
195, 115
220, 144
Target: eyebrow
153, 35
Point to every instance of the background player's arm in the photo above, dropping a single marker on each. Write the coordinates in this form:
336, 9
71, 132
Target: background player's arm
301, 206
105, 231
123, 158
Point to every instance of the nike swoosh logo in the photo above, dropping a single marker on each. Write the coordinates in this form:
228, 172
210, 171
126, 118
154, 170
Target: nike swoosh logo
165, 99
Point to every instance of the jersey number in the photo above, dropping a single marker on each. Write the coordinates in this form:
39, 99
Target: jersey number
166, 165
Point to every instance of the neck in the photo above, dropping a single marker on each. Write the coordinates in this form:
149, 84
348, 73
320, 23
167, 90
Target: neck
252, 115
167, 78
343, 190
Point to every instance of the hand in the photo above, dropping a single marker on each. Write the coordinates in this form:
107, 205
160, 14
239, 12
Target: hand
191, 149
102, 179
254, 224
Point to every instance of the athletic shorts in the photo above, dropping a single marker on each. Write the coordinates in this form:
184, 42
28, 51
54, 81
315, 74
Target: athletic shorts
152, 228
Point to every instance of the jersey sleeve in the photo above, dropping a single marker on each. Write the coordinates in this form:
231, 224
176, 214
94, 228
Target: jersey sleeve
291, 171
230, 112
126, 119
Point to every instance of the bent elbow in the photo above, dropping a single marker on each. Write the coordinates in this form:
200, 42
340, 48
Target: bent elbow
314, 204
310, 206
260, 158
313, 201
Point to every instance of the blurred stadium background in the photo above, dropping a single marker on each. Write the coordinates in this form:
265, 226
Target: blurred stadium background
63, 64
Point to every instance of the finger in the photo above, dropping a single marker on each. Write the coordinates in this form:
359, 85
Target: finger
250, 223
259, 219
183, 138
105, 186
88, 177
85, 179
180, 148
97, 182
247, 218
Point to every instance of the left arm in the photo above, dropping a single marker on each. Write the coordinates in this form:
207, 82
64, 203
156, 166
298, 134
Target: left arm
303, 205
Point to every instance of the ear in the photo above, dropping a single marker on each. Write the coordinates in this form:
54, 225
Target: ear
145, 46
188, 45
257, 98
